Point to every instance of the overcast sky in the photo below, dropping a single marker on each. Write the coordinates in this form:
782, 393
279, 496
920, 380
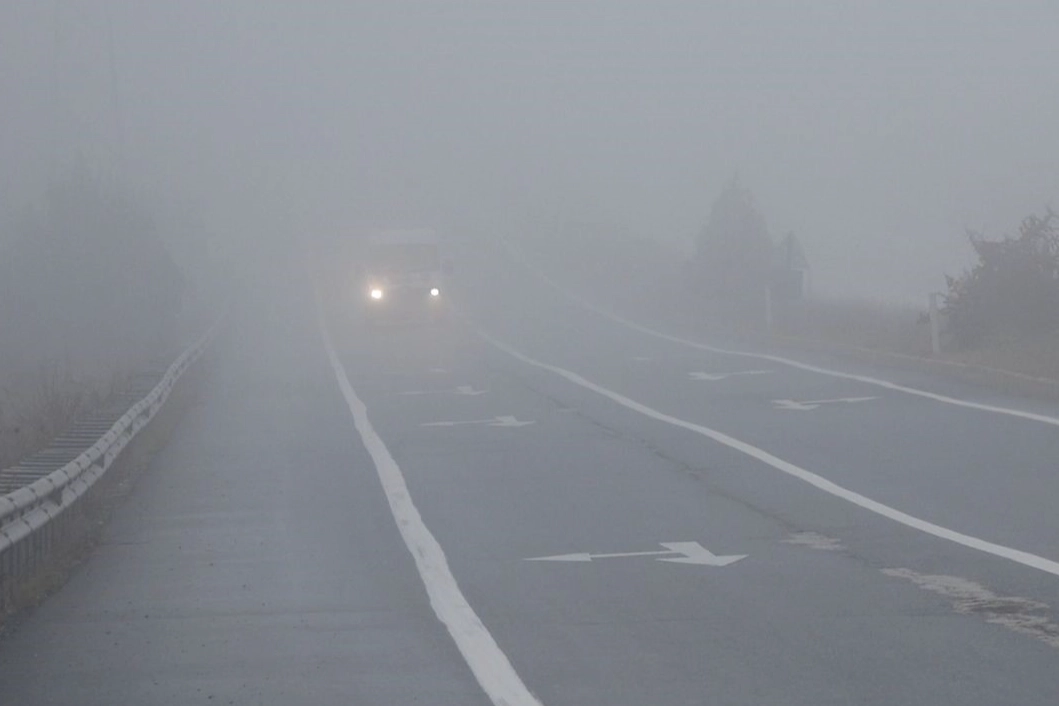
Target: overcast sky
876, 131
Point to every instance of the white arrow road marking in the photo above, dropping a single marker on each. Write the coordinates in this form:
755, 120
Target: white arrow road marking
695, 553
502, 421
690, 553
585, 556
466, 390
713, 377
817, 481
813, 404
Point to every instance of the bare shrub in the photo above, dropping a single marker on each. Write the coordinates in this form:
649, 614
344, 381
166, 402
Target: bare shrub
1013, 290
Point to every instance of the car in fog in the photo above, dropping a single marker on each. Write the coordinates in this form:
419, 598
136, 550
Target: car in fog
401, 276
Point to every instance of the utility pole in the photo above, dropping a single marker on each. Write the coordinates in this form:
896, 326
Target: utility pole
935, 325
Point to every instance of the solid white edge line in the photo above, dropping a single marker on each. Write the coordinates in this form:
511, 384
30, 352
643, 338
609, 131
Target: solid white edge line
1043, 418
483, 655
817, 481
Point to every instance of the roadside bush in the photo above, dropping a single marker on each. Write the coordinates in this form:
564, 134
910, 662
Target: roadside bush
1012, 291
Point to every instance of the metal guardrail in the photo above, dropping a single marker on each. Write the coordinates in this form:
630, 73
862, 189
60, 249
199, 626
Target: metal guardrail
34, 517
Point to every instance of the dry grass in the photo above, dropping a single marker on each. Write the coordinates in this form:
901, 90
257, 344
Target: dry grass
861, 324
904, 330
35, 407
1037, 356
96, 507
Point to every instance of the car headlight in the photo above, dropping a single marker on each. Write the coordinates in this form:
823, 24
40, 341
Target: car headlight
375, 293
435, 292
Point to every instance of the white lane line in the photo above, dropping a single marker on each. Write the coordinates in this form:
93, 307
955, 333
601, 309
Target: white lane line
487, 661
1021, 414
817, 481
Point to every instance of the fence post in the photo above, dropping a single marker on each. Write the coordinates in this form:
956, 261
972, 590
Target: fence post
768, 309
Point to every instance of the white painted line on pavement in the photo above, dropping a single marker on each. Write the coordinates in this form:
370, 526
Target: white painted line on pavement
813, 404
501, 421
587, 557
715, 377
1021, 414
487, 661
817, 481
689, 553
464, 390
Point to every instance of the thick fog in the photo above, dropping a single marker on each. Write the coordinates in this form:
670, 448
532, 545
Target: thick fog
876, 132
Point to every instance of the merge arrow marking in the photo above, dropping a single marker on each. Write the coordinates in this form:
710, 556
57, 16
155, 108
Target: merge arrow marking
467, 390
508, 421
714, 377
813, 404
499, 421
695, 553
691, 553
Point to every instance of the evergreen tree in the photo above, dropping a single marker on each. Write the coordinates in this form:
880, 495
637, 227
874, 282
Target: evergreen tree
733, 254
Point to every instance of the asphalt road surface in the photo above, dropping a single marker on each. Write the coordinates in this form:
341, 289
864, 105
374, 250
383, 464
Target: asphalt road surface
350, 518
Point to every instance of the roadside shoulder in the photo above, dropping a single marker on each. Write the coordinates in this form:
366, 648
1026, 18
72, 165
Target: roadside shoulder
1006, 381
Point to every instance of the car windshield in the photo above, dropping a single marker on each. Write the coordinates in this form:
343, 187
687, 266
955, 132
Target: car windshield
405, 257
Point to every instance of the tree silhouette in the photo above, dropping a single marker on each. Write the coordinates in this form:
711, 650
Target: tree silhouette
733, 253
1013, 290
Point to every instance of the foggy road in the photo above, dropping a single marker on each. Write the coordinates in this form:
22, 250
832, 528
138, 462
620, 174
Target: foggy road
595, 515
587, 476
